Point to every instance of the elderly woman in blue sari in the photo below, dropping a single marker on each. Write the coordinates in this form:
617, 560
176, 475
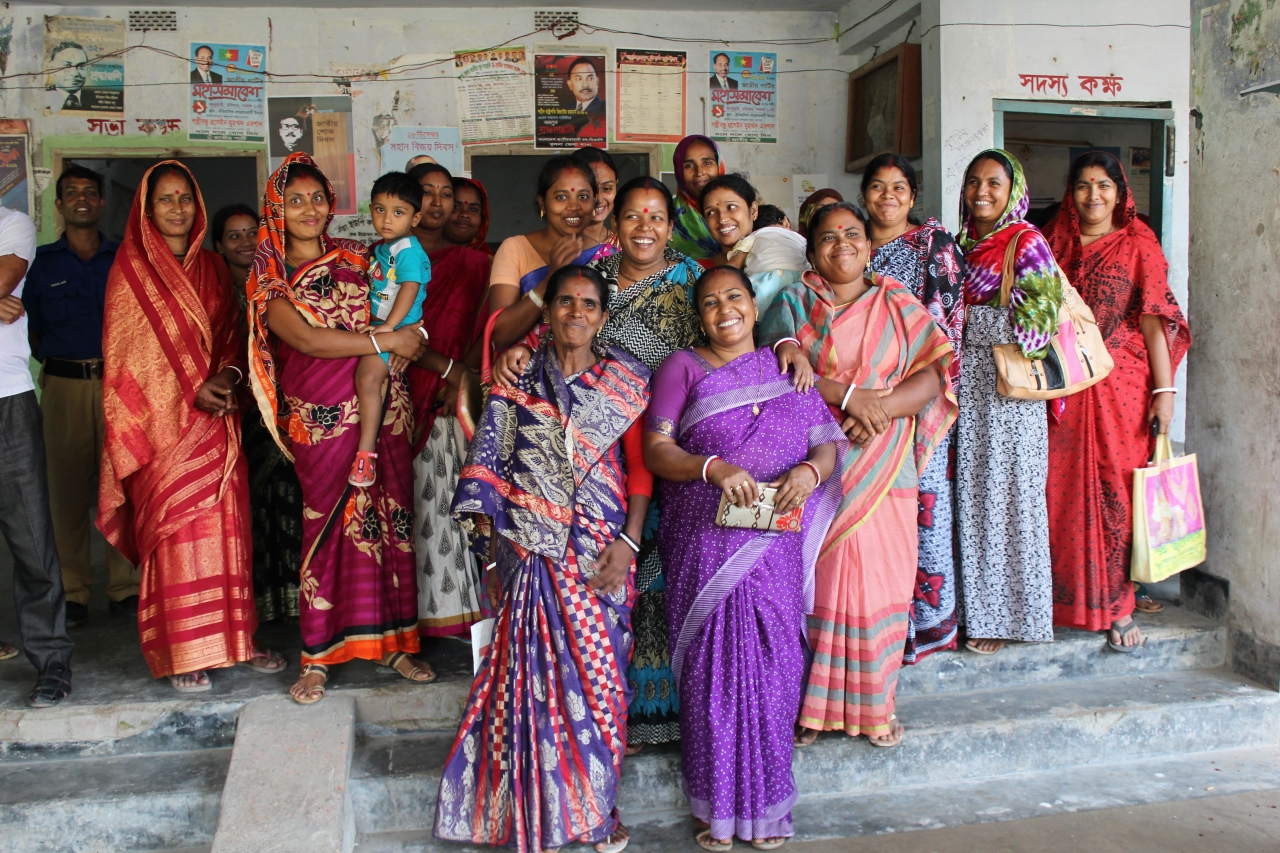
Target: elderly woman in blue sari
651, 315
724, 426
523, 263
556, 480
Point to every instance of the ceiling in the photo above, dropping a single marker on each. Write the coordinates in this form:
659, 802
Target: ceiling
679, 5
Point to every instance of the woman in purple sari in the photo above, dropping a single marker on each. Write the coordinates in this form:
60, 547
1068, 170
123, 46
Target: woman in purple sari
725, 424
556, 489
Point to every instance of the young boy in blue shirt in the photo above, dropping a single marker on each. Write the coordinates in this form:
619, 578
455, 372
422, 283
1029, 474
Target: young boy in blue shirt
398, 276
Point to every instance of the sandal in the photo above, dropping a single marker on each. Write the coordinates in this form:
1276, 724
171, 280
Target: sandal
363, 473
415, 668
610, 845
202, 683
1124, 631
1147, 604
706, 842
316, 693
972, 645
768, 843
804, 737
53, 685
265, 661
634, 748
892, 741
8, 651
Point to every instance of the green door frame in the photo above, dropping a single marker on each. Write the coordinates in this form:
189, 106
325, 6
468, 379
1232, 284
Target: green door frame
1162, 143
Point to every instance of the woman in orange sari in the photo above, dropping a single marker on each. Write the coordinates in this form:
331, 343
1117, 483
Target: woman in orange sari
174, 490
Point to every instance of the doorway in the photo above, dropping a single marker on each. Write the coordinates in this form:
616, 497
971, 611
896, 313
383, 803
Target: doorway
223, 181
1047, 136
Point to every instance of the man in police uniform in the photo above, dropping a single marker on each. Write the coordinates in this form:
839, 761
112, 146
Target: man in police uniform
64, 297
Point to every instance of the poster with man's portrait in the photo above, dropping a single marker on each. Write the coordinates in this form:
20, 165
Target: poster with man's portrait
78, 80
321, 126
569, 100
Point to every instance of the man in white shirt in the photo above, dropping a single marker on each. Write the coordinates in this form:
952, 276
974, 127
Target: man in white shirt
24, 489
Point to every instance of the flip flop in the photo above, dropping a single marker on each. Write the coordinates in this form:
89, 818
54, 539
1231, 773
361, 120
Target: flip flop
611, 846
1124, 632
192, 688
888, 744
706, 842
768, 843
275, 663
1147, 604
971, 646
8, 651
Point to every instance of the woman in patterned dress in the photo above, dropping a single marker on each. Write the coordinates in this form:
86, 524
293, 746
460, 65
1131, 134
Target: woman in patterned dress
927, 260
1002, 458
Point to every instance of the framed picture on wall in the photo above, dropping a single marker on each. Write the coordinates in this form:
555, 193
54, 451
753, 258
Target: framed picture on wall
884, 107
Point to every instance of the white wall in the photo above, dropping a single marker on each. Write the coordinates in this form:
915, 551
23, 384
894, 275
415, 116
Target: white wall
811, 105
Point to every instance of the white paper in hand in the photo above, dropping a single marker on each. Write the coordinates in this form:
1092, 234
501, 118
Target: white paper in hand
481, 639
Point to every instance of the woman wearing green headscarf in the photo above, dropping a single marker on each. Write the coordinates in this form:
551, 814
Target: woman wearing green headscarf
1002, 446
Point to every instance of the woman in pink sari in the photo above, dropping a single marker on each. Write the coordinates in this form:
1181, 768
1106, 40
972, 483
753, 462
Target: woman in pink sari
309, 320
882, 367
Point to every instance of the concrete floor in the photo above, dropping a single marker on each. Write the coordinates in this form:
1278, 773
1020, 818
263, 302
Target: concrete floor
1239, 823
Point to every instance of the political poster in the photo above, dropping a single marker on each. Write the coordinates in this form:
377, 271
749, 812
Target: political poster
228, 92
82, 76
493, 95
744, 96
15, 172
650, 95
441, 145
569, 100
321, 126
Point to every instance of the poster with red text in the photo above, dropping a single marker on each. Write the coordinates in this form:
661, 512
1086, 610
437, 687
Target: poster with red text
569, 100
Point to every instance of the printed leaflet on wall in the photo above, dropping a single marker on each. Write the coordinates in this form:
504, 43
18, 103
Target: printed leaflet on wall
15, 177
493, 96
650, 95
569, 99
321, 126
78, 83
228, 92
442, 144
744, 96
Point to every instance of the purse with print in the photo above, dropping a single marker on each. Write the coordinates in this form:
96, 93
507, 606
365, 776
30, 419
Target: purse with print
761, 515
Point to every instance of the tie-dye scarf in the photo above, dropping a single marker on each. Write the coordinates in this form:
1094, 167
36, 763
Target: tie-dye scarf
1036, 294
691, 236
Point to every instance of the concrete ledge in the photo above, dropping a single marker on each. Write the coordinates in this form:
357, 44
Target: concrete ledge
286, 789
1255, 659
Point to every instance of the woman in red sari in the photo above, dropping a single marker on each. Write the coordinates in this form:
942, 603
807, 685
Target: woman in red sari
449, 590
469, 223
174, 490
309, 321
1116, 264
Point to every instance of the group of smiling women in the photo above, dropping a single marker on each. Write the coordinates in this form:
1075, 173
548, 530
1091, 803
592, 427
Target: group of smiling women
639, 392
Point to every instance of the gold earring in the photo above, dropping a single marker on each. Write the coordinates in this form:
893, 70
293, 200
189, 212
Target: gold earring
542, 214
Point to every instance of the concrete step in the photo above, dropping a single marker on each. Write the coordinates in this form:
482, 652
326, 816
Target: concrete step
941, 805
112, 804
975, 734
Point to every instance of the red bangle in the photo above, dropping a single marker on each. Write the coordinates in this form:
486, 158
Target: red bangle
707, 464
815, 471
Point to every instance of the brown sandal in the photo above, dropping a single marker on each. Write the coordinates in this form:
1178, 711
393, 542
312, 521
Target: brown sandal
316, 693
415, 668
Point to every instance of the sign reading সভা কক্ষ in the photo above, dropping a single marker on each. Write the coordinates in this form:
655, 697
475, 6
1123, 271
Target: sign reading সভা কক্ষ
744, 96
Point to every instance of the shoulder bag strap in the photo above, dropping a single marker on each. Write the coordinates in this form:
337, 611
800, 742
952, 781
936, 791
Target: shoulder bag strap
1006, 279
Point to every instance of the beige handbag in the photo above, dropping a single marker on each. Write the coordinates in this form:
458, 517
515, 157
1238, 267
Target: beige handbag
761, 515
1076, 358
